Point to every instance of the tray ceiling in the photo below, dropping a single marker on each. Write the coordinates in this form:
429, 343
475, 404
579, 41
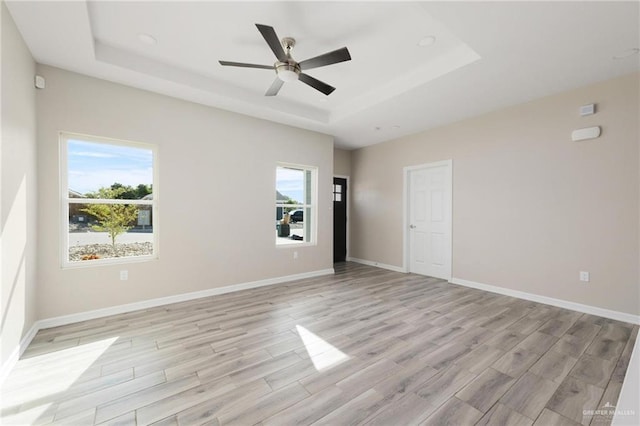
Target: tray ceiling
485, 55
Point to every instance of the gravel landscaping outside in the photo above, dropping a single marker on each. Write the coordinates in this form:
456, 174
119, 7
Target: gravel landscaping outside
106, 251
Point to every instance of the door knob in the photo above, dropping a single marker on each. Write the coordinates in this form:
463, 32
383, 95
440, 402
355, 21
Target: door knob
412, 226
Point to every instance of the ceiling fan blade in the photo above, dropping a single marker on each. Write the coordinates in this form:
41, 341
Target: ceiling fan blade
334, 57
275, 87
243, 65
273, 41
316, 84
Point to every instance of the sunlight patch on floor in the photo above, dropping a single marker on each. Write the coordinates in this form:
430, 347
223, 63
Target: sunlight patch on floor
322, 353
60, 370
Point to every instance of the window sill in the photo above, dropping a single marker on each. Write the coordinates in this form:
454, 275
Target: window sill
294, 244
108, 262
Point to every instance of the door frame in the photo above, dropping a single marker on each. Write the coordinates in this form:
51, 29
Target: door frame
405, 210
346, 258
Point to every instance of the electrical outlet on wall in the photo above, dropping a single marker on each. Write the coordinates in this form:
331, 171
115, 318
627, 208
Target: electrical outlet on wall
124, 275
295, 255
584, 276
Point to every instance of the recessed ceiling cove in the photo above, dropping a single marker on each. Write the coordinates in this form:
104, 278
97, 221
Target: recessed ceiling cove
414, 65
382, 38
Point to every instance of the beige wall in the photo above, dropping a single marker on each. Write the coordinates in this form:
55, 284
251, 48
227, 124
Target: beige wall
217, 186
341, 162
18, 182
531, 208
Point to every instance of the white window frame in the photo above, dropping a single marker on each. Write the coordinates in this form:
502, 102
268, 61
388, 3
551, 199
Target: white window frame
65, 200
312, 230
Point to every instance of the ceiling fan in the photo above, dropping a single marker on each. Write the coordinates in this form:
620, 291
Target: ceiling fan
287, 69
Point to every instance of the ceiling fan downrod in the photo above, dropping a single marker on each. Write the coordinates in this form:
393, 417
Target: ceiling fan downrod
288, 70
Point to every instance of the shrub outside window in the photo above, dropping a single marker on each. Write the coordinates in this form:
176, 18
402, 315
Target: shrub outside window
295, 204
109, 196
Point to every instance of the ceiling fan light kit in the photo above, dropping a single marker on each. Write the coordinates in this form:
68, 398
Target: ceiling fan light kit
287, 73
287, 69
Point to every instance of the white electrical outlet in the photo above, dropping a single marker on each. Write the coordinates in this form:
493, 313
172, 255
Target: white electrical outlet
295, 255
584, 276
124, 275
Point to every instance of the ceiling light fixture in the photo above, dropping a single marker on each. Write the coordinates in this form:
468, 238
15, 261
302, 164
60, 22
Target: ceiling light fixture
147, 39
287, 72
627, 53
287, 76
427, 41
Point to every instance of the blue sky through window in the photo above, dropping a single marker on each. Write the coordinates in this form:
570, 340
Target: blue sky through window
290, 182
93, 165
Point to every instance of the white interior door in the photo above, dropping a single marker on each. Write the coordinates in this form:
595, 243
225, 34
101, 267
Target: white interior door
429, 219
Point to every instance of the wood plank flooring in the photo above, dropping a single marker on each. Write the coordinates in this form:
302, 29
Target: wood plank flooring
365, 346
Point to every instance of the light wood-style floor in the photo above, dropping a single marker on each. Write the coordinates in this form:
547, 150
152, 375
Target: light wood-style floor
366, 346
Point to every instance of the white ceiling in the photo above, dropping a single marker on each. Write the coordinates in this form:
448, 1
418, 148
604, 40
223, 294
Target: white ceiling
487, 55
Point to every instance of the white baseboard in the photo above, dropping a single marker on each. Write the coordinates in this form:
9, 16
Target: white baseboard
376, 264
152, 303
627, 411
8, 365
587, 309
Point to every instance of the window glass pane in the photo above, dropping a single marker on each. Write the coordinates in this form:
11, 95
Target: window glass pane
297, 230
307, 187
106, 231
307, 224
294, 196
109, 171
290, 184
